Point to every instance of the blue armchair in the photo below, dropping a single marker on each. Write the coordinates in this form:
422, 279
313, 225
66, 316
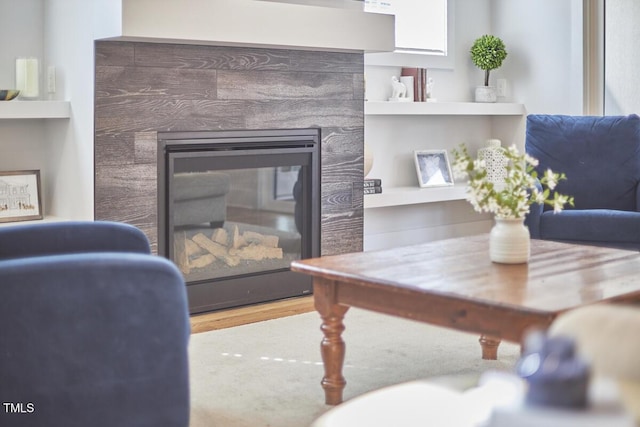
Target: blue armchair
601, 159
95, 330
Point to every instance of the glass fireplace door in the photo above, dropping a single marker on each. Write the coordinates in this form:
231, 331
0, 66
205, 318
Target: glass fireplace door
236, 216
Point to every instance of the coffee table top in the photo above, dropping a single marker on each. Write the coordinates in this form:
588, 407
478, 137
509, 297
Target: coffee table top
558, 277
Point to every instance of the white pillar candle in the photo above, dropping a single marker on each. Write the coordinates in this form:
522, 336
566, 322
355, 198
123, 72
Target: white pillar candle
27, 77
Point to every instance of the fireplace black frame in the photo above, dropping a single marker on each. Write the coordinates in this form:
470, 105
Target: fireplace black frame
303, 148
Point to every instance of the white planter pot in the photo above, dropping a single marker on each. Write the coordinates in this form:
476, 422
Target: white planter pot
509, 241
486, 94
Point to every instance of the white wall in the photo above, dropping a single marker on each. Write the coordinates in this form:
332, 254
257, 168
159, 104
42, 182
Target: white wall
622, 59
21, 141
21, 35
59, 33
71, 26
544, 41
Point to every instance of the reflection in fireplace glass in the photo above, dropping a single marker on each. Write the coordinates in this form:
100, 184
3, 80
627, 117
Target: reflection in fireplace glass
285, 180
235, 222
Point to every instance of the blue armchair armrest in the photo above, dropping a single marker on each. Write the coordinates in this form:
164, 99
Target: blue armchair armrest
48, 238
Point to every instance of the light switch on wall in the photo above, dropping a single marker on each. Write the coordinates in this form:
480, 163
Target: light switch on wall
51, 79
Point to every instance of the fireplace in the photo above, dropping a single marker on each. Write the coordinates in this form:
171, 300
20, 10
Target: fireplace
235, 208
145, 92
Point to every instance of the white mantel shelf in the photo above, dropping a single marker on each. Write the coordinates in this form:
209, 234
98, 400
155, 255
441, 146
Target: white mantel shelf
259, 24
379, 108
400, 196
17, 109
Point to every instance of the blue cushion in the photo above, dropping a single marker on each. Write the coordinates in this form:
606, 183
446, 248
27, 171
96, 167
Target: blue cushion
599, 155
591, 226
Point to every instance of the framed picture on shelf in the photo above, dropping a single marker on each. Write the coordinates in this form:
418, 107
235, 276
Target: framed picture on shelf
20, 196
433, 168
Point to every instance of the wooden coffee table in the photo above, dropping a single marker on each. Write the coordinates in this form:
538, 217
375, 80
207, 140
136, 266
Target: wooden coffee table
452, 283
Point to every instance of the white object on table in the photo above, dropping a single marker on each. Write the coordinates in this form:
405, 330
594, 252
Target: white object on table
495, 402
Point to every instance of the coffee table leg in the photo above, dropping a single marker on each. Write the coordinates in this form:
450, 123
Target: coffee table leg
332, 346
489, 347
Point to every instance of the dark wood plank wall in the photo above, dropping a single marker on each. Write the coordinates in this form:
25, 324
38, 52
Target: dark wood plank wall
144, 88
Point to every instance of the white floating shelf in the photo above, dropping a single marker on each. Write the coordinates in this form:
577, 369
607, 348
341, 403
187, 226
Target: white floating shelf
17, 109
46, 218
372, 108
400, 196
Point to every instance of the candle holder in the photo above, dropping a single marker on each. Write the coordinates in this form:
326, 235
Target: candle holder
28, 78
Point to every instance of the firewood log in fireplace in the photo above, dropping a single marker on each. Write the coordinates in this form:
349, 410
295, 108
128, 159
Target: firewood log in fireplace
257, 252
192, 248
269, 241
216, 249
251, 237
202, 261
181, 253
201, 251
221, 236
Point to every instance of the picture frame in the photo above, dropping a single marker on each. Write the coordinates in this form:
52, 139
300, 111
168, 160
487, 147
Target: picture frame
433, 168
20, 198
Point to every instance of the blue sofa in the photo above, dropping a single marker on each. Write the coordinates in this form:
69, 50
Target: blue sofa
600, 156
95, 329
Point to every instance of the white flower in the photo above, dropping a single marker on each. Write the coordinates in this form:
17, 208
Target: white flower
513, 150
551, 179
559, 202
460, 169
520, 189
531, 160
538, 197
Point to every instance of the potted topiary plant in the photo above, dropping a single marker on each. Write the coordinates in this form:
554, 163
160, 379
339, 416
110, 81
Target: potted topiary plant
487, 53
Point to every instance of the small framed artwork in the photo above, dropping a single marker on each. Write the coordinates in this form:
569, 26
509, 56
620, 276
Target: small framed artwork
433, 168
20, 196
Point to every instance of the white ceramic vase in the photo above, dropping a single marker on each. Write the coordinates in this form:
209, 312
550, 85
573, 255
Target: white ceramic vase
509, 241
368, 159
486, 94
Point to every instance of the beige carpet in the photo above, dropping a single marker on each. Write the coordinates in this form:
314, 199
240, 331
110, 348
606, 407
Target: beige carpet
268, 373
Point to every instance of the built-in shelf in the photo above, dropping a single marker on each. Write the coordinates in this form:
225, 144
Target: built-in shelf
379, 108
47, 218
399, 196
18, 109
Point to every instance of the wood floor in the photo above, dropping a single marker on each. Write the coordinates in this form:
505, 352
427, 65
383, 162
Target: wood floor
250, 314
